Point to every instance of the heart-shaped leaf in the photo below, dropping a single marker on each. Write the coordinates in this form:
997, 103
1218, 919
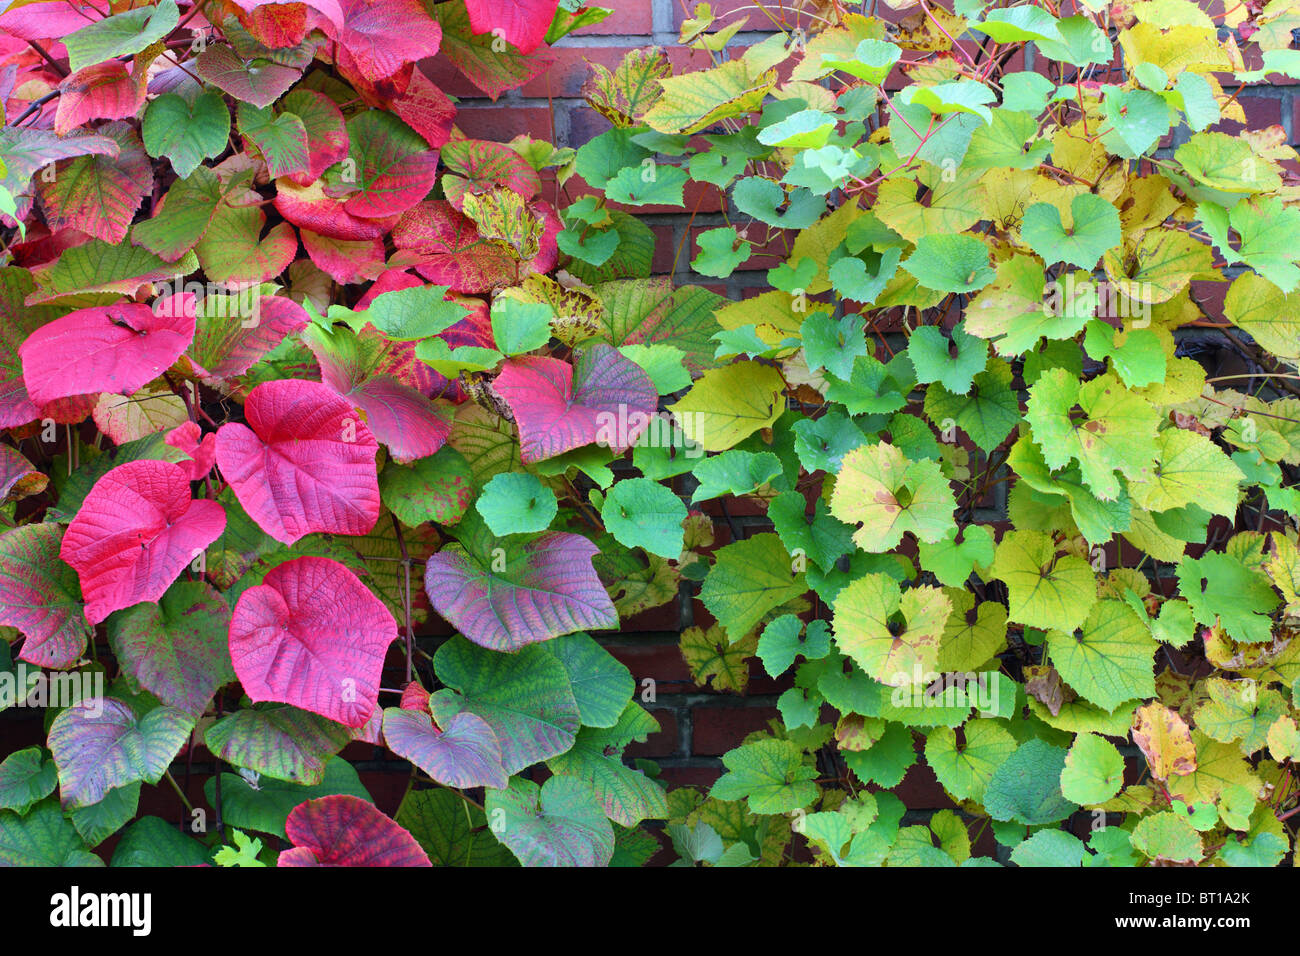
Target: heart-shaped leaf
101, 743
312, 635
135, 532
186, 133
557, 824
282, 742
115, 348
176, 649
522, 23
384, 37
103, 91
303, 462
258, 81
506, 597
40, 595
343, 830
462, 754
558, 407
524, 697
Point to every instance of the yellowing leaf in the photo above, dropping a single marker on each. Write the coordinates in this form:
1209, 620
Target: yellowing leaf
891, 634
730, 403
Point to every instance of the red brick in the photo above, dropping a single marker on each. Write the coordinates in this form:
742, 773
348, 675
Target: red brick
663, 743
921, 790
630, 17
666, 617
717, 729
502, 124
701, 777
783, 14
570, 70
661, 662
1261, 112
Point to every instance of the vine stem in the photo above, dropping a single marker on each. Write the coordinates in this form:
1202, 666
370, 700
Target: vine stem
179, 792
406, 600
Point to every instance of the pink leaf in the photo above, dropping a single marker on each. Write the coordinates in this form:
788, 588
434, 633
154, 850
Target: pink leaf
345, 260
327, 134
382, 36
521, 22
312, 635
547, 588
115, 348
103, 91
446, 248
415, 697
309, 208
463, 754
557, 411
203, 454
343, 830
136, 531
303, 462
49, 21
476, 166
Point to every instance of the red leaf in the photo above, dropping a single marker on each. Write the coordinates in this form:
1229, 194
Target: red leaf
382, 36
522, 22
98, 195
394, 167
115, 348
557, 410
476, 166
103, 91
421, 105
343, 830
463, 754
398, 415
136, 531
445, 248
260, 83
481, 58
203, 454
303, 462
415, 697
309, 208
312, 635
343, 260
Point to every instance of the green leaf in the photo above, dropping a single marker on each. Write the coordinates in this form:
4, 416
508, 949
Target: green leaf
872, 60
265, 807
950, 263
640, 513
891, 634
721, 252
43, 837
26, 778
1026, 787
785, 638
516, 503
1094, 771
1045, 589
560, 823
120, 35
519, 326
648, 184
965, 770
886, 495
184, 132
1167, 836
152, 841
601, 685
437, 488
1111, 660
1094, 229
930, 351
1049, 848
524, 697
770, 775
282, 140
627, 796
767, 202
749, 578
1222, 590
1116, 431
